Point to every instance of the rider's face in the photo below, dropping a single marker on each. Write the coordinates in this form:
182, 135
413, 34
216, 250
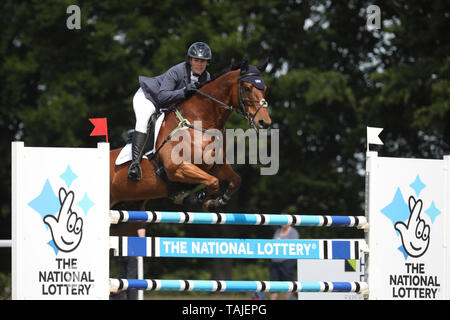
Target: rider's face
198, 66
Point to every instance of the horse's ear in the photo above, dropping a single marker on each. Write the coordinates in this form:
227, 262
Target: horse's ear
263, 65
234, 65
244, 65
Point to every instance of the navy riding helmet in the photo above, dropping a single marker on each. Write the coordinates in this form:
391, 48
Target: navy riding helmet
200, 50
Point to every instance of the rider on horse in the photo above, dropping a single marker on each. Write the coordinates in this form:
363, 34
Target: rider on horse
175, 85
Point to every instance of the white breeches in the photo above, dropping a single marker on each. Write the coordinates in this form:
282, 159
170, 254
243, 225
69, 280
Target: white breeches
143, 109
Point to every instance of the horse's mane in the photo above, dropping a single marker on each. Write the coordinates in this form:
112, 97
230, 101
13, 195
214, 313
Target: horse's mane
234, 66
215, 77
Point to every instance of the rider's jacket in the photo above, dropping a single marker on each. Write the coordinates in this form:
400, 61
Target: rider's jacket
168, 88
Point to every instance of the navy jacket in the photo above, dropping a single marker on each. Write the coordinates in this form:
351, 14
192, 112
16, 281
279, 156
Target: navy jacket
168, 88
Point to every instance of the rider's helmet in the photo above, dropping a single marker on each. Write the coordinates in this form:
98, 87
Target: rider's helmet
199, 50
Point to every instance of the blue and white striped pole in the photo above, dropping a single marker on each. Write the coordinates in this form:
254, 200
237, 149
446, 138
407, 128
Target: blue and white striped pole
359, 222
236, 286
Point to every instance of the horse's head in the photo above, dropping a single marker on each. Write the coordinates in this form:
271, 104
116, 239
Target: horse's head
251, 90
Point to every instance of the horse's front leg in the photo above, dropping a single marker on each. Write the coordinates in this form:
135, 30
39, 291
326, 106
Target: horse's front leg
191, 174
224, 172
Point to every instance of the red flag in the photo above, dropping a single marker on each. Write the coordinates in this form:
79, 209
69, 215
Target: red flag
100, 127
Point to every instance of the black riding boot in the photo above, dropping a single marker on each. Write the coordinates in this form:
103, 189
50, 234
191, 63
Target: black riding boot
137, 151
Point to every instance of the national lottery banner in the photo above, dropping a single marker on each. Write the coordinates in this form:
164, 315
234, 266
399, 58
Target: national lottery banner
408, 214
60, 222
237, 248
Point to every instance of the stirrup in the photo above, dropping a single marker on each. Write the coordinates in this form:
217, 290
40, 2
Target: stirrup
135, 171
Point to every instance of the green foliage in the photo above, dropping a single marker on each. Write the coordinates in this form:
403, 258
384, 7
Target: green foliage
5, 285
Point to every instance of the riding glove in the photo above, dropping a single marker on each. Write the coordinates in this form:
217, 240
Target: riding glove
189, 89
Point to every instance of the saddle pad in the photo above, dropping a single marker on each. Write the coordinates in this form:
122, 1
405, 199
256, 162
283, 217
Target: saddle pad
125, 154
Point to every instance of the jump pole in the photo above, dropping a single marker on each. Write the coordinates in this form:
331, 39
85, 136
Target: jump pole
237, 286
120, 216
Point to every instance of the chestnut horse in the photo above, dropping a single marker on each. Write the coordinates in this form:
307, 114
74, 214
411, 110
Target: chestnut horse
212, 104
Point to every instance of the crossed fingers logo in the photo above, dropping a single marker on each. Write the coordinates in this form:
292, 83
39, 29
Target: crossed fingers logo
66, 227
415, 233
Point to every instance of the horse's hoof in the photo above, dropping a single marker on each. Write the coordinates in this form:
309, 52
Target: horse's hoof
206, 205
214, 205
179, 197
196, 198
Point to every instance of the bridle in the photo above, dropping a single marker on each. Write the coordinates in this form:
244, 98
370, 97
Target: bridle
241, 101
262, 103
